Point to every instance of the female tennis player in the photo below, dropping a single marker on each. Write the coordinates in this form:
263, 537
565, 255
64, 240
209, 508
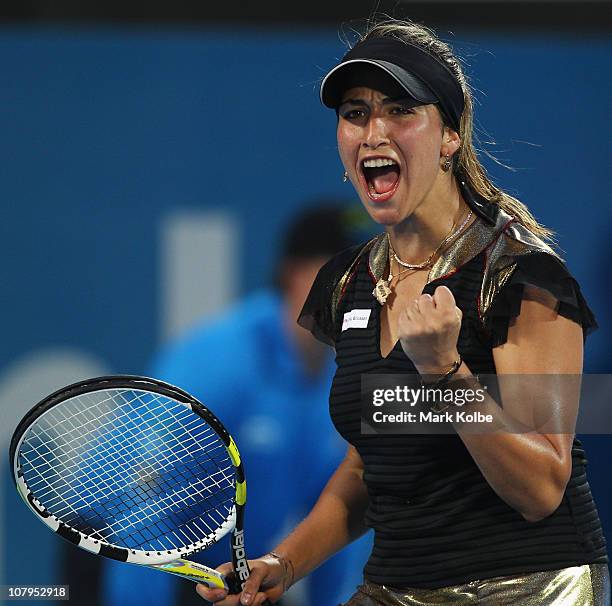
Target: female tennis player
462, 281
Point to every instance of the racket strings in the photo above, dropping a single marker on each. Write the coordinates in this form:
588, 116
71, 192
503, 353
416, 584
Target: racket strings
225, 472
132, 468
150, 511
78, 436
98, 449
129, 502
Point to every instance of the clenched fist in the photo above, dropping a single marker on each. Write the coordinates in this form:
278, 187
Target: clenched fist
429, 329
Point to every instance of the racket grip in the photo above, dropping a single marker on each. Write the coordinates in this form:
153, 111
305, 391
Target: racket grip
233, 584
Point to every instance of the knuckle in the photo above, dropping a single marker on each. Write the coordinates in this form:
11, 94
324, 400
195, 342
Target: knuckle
405, 322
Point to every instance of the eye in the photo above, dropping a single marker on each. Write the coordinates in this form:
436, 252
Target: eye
402, 110
353, 114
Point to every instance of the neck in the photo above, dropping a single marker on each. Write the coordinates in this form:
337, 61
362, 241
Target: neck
415, 238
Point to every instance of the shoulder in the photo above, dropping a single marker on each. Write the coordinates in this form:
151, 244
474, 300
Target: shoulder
514, 241
514, 246
517, 260
319, 312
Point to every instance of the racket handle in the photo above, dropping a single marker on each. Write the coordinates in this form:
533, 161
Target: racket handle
233, 584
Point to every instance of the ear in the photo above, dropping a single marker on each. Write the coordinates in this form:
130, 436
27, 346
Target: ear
450, 142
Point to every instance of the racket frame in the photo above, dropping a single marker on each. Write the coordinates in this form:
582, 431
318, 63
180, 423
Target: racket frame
167, 561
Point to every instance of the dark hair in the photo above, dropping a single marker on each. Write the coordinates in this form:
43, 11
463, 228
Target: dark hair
322, 230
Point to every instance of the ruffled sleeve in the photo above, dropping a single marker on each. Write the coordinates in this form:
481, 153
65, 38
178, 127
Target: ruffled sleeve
318, 313
545, 271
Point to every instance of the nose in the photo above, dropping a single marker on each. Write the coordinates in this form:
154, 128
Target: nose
376, 133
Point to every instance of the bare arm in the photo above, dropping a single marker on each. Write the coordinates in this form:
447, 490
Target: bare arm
529, 471
334, 522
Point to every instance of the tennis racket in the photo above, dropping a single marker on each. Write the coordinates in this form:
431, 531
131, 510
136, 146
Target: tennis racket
136, 470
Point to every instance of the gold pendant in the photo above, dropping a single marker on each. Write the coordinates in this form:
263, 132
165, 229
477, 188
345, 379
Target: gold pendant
382, 291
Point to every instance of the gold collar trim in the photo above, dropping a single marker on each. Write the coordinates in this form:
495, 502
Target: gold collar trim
505, 240
475, 238
344, 279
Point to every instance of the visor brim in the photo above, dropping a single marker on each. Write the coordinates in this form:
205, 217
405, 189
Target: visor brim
346, 75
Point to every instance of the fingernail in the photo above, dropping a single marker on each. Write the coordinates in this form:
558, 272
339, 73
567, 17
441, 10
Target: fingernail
216, 594
246, 598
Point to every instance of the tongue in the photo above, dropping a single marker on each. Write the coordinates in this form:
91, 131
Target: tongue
384, 178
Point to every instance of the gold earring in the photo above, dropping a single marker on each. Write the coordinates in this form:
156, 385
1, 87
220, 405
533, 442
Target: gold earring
446, 165
345, 177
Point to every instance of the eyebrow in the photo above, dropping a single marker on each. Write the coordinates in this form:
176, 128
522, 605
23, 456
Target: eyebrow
386, 100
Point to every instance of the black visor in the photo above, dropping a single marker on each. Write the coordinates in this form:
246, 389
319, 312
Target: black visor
376, 74
415, 71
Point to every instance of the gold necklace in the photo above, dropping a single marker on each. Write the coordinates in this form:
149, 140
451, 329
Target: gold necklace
429, 261
382, 290
401, 272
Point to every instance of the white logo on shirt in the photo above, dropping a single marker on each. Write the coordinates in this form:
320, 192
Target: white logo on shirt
356, 318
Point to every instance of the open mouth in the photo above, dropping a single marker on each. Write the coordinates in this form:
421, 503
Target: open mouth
381, 177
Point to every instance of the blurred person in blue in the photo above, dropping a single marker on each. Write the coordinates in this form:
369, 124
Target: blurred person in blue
268, 380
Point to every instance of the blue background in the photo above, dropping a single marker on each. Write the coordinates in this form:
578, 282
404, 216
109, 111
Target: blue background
103, 131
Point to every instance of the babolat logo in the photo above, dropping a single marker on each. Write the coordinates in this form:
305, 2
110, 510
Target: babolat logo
242, 568
205, 545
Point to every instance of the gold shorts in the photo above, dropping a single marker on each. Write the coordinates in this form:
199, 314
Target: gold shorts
586, 585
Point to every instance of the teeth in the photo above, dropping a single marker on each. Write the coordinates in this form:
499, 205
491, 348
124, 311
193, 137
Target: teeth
378, 162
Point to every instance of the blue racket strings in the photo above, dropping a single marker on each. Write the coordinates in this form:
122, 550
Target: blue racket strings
131, 468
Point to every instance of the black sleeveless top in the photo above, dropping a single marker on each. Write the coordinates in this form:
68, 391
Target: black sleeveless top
437, 522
